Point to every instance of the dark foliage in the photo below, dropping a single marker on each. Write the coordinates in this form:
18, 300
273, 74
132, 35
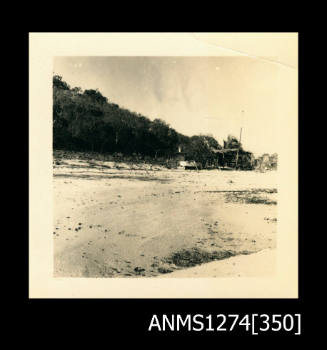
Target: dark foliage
87, 121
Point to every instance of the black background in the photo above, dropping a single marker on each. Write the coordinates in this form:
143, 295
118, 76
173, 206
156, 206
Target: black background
88, 320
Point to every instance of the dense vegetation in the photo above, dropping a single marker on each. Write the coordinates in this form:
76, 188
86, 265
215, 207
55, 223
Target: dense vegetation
87, 121
267, 162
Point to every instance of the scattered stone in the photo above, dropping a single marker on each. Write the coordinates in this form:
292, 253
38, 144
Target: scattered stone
164, 270
139, 269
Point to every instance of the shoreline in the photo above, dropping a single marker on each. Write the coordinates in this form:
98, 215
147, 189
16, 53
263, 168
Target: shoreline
259, 264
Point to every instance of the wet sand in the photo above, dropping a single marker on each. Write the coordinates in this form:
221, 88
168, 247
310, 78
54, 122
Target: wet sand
123, 221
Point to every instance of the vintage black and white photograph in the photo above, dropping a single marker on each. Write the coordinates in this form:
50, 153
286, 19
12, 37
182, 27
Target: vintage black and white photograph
164, 166
167, 166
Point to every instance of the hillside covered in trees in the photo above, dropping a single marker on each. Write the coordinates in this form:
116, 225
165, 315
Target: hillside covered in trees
88, 121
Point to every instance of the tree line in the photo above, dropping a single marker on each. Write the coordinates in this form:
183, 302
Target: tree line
88, 121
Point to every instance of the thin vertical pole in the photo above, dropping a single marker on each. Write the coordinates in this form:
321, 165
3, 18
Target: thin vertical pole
238, 149
239, 141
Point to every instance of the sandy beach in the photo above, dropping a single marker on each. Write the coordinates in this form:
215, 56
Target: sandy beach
260, 264
122, 220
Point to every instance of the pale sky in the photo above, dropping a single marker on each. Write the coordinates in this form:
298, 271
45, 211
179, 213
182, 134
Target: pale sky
193, 94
